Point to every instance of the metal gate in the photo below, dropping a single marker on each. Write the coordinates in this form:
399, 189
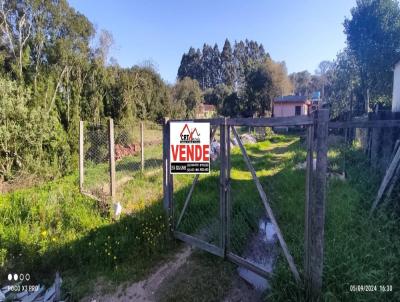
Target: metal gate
214, 234
195, 217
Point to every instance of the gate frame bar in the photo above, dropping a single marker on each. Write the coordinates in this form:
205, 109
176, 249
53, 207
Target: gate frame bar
315, 192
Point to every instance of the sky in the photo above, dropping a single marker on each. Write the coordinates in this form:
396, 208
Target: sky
300, 32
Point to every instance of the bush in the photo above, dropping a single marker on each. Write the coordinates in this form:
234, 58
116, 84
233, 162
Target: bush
32, 139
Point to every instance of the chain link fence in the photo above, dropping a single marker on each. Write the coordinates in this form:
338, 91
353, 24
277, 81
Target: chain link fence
295, 199
196, 200
96, 167
137, 158
138, 164
278, 162
251, 234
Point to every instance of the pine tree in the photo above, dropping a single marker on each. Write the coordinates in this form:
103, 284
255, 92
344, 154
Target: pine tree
227, 64
240, 62
206, 63
191, 65
216, 67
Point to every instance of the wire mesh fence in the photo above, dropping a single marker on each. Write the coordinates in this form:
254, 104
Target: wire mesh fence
137, 155
196, 200
250, 233
276, 159
301, 188
153, 147
96, 160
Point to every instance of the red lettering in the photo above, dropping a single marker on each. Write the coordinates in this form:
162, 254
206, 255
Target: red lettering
174, 152
190, 153
206, 153
198, 153
182, 152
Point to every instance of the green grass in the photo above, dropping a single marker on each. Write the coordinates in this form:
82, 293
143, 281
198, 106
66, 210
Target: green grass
127, 172
53, 227
96, 165
207, 278
358, 249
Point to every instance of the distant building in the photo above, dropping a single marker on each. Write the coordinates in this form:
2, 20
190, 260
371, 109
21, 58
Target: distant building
291, 105
206, 111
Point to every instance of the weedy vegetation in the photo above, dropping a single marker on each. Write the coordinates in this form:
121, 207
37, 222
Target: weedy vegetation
53, 227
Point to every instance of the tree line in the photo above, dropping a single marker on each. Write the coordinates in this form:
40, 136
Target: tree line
211, 67
55, 69
240, 81
361, 76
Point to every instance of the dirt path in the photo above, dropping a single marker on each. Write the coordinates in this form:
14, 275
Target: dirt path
143, 291
242, 291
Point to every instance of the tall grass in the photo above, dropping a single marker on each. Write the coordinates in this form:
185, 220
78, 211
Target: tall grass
54, 228
359, 250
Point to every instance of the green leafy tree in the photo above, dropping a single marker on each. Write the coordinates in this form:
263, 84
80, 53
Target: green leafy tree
210, 67
373, 39
187, 92
29, 139
301, 82
232, 105
324, 71
216, 96
264, 82
207, 67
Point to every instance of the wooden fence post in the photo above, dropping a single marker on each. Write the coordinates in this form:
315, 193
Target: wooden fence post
165, 164
309, 204
222, 185
228, 188
318, 204
142, 146
112, 158
168, 188
81, 156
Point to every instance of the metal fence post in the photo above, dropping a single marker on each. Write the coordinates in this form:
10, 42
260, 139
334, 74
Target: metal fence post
81, 156
318, 211
111, 158
142, 145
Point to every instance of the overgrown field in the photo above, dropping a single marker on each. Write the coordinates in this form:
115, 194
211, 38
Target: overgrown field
358, 249
53, 227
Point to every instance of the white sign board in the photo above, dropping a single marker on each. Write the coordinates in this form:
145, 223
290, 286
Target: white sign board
189, 147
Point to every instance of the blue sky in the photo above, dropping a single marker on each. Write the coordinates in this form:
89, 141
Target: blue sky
300, 32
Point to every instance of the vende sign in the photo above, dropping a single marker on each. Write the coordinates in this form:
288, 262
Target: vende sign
189, 147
